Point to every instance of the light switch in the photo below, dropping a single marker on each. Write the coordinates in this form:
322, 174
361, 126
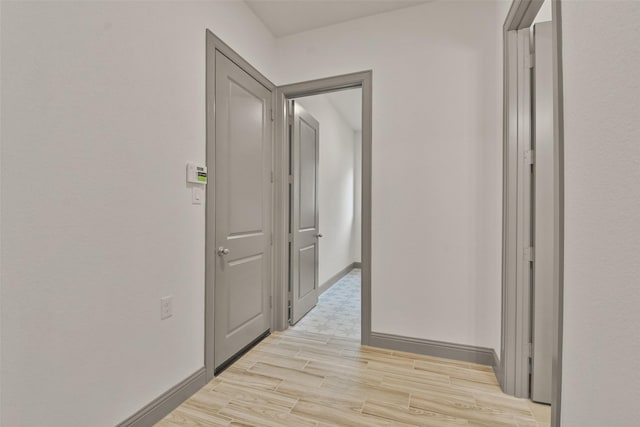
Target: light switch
196, 195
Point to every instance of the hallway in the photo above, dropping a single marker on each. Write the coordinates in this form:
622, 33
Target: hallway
338, 311
301, 379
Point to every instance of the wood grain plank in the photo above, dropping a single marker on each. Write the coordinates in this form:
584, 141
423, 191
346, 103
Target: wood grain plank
264, 415
411, 416
338, 416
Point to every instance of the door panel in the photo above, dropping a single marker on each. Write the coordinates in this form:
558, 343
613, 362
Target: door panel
306, 280
307, 205
544, 197
243, 209
246, 294
245, 158
304, 214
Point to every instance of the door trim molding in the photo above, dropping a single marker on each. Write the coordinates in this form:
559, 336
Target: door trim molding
445, 350
521, 16
213, 44
558, 135
160, 407
314, 87
514, 349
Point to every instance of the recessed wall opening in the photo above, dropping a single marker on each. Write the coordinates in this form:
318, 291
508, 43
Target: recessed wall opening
325, 198
323, 206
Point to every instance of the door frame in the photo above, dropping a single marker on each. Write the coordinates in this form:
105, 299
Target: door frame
213, 44
361, 80
513, 351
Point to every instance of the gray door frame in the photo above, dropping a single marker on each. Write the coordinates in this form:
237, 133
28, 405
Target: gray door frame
355, 80
514, 354
213, 44
517, 265
544, 227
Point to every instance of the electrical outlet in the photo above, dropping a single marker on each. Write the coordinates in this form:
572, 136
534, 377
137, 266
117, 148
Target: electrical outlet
166, 307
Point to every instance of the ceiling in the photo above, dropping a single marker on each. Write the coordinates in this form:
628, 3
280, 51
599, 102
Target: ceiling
286, 17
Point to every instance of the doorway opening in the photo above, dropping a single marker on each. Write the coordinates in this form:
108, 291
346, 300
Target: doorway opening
324, 248
325, 198
532, 206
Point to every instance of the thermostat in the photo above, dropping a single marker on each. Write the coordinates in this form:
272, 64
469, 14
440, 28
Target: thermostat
196, 174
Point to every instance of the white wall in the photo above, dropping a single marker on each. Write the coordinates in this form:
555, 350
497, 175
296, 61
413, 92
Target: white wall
437, 160
336, 187
102, 106
601, 64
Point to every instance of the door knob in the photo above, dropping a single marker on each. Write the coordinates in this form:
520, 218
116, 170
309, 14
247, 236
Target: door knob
222, 251
318, 235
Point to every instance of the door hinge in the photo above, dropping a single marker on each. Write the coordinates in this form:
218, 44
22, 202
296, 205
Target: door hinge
529, 60
529, 254
290, 237
530, 349
529, 157
290, 179
272, 118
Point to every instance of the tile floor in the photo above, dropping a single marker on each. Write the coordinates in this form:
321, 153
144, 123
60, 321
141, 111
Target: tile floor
338, 311
300, 379
317, 374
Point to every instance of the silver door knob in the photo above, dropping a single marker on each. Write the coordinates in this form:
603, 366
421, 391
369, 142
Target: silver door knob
222, 251
318, 235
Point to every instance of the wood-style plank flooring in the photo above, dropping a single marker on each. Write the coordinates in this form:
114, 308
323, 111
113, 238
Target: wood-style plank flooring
302, 379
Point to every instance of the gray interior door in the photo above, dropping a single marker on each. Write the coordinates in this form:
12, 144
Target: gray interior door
304, 212
544, 202
243, 143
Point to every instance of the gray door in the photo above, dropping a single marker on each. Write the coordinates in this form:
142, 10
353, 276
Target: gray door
243, 141
544, 197
304, 212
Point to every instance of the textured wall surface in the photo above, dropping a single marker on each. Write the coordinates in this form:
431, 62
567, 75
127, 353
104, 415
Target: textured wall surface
601, 61
102, 106
437, 160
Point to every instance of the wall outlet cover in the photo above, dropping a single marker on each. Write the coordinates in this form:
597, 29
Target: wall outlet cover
166, 307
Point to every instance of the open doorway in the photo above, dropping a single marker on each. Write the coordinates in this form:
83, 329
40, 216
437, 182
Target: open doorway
325, 197
287, 298
532, 202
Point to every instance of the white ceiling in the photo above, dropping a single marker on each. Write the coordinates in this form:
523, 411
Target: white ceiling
285, 17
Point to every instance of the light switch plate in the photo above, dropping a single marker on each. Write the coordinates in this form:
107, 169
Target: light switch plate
166, 307
196, 195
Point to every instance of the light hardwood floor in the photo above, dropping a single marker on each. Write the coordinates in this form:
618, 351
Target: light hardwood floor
303, 379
